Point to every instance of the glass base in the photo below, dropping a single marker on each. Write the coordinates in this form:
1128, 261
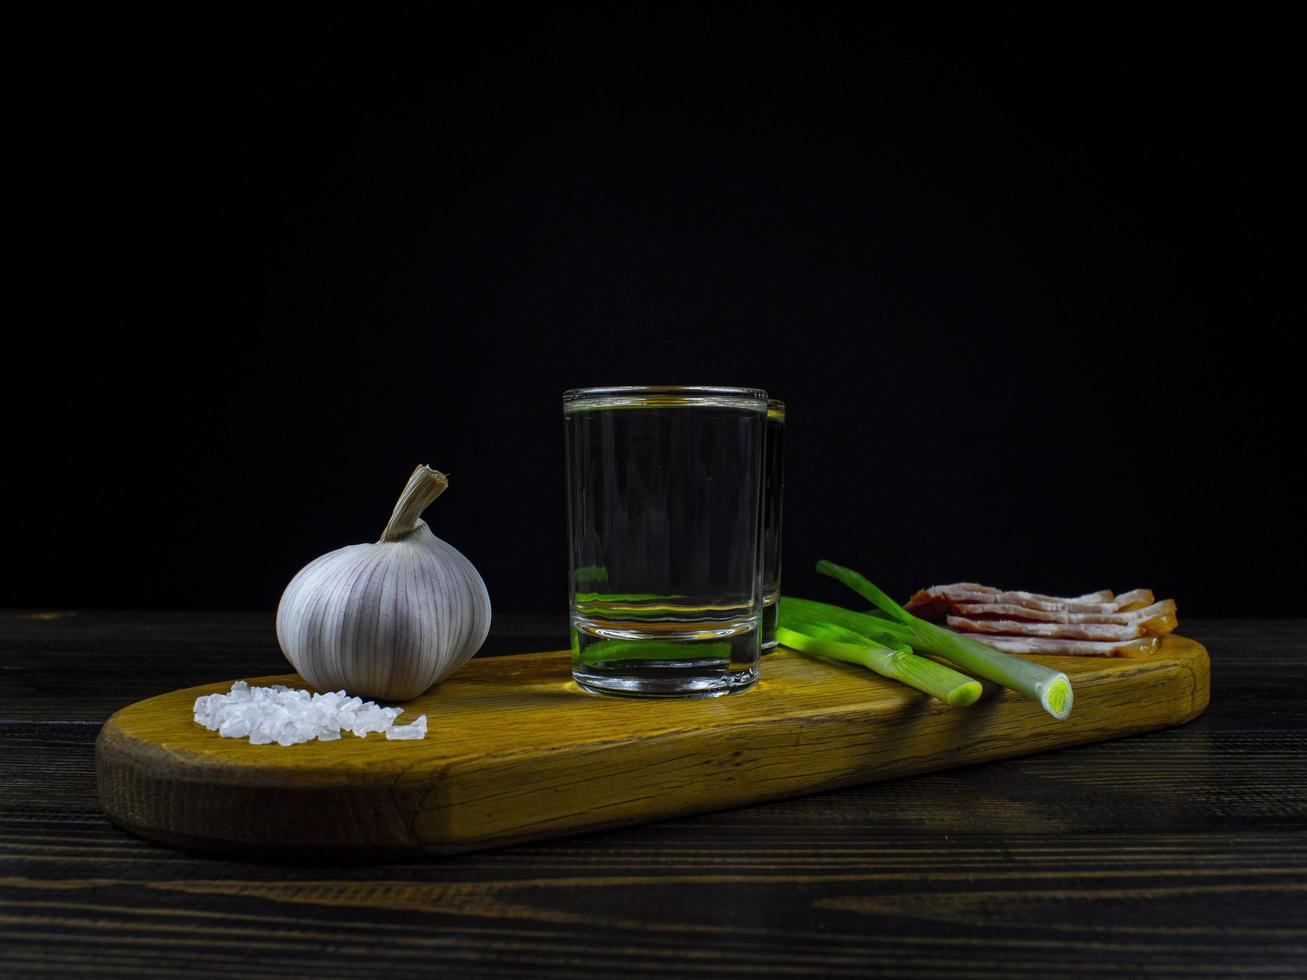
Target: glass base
654, 679
662, 663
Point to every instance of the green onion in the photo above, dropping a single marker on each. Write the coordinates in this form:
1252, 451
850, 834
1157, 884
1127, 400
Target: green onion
803, 613
1049, 687
898, 663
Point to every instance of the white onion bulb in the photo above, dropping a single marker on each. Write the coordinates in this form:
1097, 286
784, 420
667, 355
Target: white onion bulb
386, 620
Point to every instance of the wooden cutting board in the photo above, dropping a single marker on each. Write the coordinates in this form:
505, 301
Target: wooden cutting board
515, 751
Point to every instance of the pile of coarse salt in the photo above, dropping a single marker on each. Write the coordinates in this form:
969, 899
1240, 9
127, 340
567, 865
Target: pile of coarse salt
287, 716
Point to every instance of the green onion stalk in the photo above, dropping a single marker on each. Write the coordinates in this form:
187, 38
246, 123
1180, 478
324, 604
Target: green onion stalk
1051, 688
898, 662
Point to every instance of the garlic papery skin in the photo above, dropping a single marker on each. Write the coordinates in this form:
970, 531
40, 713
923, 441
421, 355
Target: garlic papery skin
390, 619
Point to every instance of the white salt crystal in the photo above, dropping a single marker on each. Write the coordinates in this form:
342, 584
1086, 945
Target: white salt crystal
418, 729
237, 726
289, 716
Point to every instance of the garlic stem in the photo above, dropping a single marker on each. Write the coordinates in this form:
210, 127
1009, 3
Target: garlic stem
424, 486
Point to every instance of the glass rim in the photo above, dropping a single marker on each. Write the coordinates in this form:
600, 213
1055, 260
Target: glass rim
664, 396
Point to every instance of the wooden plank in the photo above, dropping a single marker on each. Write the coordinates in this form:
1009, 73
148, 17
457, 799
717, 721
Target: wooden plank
515, 752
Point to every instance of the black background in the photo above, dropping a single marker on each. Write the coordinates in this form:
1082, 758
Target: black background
1024, 279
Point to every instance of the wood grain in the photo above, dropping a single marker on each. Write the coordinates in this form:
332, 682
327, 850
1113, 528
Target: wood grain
515, 752
1178, 853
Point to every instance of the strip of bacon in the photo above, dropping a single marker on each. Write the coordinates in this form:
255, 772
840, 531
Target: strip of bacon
1157, 618
1075, 648
1071, 631
934, 602
1105, 595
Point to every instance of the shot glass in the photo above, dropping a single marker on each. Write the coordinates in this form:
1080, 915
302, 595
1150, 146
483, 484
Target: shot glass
664, 489
773, 490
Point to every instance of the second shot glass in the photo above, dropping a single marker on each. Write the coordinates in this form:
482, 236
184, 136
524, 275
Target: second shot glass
773, 490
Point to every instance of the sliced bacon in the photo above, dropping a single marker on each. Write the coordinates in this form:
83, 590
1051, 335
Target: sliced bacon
1104, 595
929, 603
1157, 618
1074, 648
1071, 631
1095, 624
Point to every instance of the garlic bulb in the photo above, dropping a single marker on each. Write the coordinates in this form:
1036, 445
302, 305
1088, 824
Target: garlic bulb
386, 620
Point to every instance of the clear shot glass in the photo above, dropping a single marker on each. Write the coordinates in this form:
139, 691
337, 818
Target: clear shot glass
773, 490
664, 500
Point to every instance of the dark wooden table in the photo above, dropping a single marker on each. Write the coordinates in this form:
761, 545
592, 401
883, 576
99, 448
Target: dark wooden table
1175, 853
